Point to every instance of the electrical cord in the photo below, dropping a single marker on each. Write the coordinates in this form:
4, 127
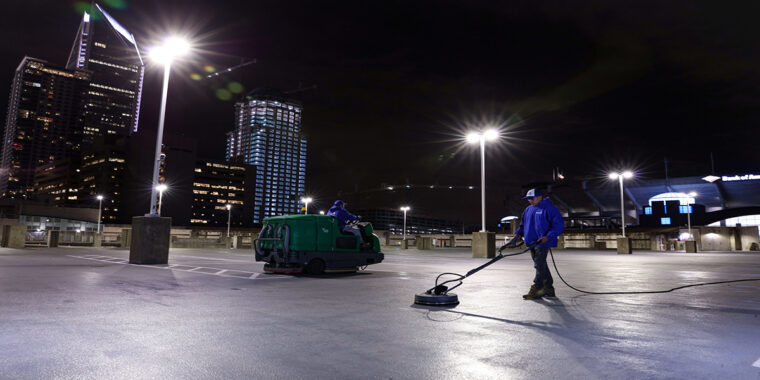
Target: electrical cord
646, 291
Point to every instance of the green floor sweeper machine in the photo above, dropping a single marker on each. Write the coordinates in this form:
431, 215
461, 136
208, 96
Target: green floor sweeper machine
314, 244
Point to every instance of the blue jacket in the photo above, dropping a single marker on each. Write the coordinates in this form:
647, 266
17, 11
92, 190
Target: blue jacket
539, 221
342, 215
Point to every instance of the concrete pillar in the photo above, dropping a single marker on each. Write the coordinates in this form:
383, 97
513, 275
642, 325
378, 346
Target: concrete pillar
97, 240
513, 225
561, 242
624, 245
52, 238
405, 244
237, 242
150, 240
691, 246
424, 242
484, 244
592, 241
737, 246
387, 238
126, 237
452, 241
14, 235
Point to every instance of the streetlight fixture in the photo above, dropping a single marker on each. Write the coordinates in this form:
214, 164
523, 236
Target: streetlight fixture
306, 201
160, 188
100, 210
405, 209
172, 48
229, 218
688, 212
321, 212
474, 137
620, 176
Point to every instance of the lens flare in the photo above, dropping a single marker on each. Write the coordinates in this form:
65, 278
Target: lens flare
195, 76
81, 7
209, 68
235, 87
223, 94
116, 4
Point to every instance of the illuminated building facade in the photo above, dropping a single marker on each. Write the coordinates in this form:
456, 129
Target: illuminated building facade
77, 181
268, 136
218, 184
57, 112
44, 122
110, 52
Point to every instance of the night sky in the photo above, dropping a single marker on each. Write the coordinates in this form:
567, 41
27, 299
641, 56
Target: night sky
586, 86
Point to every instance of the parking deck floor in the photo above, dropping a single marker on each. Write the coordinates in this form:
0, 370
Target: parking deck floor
86, 313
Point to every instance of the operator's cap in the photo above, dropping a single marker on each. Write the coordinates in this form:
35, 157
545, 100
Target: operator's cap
339, 203
532, 193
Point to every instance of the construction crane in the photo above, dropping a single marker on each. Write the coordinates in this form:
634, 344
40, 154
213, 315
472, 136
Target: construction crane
231, 68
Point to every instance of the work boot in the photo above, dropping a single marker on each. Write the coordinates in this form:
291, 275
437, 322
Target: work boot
548, 291
533, 293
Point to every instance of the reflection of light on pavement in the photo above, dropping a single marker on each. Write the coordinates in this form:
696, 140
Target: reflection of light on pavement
757, 363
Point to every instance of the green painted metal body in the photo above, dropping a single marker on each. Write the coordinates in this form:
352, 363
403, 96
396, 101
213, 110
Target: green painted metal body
313, 233
296, 240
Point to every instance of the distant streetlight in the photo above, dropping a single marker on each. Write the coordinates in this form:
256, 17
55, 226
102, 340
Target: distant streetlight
321, 212
306, 201
160, 188
688, 212
405, 209
619, 176
229, 218
474, 137
100, 210
173, 47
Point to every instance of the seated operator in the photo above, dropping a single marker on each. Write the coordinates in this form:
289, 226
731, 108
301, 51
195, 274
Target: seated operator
338, 211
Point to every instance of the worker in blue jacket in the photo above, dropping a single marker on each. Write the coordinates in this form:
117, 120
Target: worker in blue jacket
338, 211
540, 225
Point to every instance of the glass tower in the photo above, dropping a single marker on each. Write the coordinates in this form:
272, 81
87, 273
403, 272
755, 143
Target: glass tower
110, 51
44, 122
268, 135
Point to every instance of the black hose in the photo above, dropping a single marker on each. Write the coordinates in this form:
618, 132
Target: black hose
645, 291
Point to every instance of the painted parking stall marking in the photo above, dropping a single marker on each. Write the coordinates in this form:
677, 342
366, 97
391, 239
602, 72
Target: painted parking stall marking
185, 268
756, 364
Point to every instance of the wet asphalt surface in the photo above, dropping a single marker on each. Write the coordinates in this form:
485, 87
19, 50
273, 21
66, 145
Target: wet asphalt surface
76, 313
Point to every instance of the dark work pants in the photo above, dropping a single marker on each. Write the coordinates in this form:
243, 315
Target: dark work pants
543, 275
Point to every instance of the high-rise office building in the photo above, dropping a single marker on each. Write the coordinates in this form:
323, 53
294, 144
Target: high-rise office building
110, 51
268, 135
54, 112
44, 121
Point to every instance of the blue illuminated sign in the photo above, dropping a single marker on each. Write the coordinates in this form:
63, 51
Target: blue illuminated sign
665, 221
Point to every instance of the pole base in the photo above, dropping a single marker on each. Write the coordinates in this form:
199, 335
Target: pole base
426, 299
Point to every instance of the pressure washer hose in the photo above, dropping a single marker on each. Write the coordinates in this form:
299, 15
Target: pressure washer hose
645, 291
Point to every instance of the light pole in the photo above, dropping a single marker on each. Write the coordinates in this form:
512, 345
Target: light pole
229, 218
306, 201
688, 212
173, 47
160, 188
619, 176
100, 210
405, 209
481, 137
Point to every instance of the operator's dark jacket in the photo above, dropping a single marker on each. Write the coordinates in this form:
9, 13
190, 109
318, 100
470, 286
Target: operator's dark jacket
541, 220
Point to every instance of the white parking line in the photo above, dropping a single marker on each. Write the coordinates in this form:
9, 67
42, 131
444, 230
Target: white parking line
179, 267
757, 363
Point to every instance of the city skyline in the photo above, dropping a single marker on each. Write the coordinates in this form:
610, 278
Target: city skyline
571, 91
